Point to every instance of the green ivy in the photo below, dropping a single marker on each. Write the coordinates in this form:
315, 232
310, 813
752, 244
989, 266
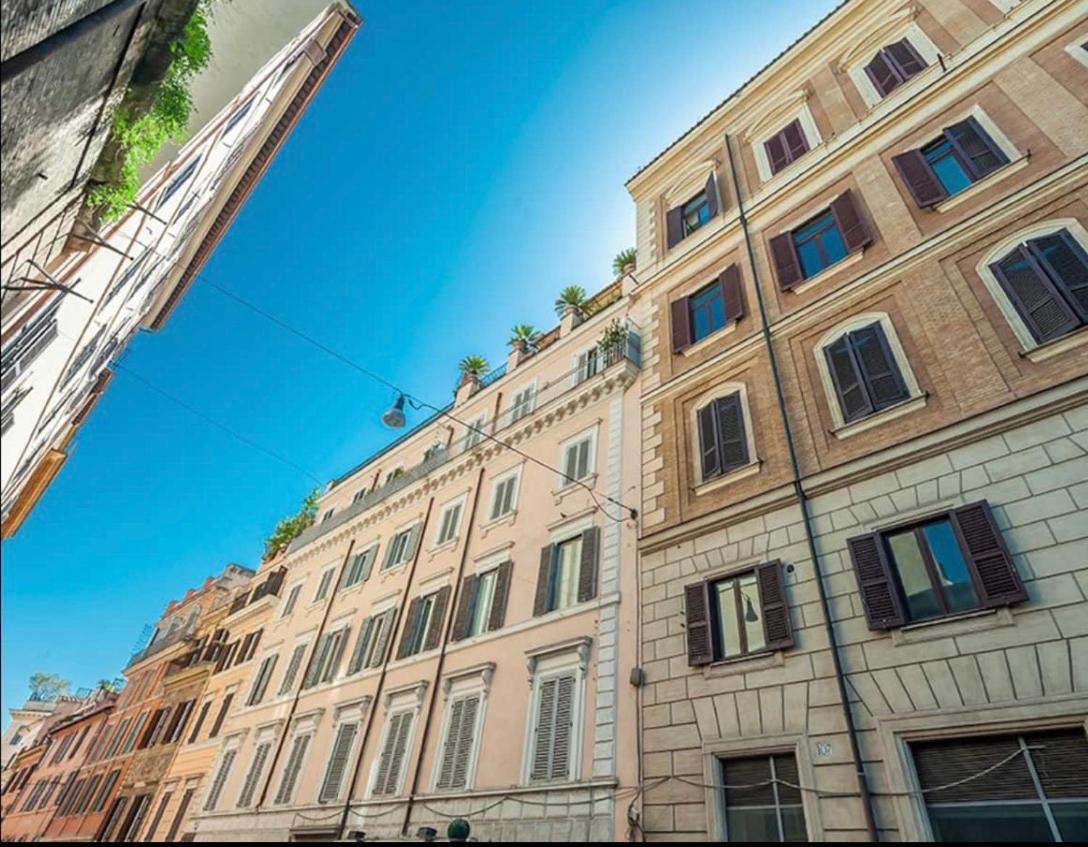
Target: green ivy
290, 528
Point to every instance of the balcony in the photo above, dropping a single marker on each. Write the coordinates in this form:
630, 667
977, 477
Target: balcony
161, 642
629, 353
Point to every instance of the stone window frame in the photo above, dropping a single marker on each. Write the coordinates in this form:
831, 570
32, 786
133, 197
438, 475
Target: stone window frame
895, 732
353, 711
496, 481
307, 724
916, 398
590, 433
458, 684
686, 186
721, 390
1029, 347
405, 699
545, 662
329, 589
460, 500
1077, 50
861, 56
799, 111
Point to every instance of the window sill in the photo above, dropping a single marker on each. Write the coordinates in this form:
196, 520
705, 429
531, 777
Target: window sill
735, 475
444, 546
506, 520
822, 276
900, 409
744, 664
949, 627
561, 494
987, 181
704, 343
688, 242
1048, 350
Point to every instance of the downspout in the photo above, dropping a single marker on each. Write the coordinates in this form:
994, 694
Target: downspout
455, 600
393, 633
802, 500
333, 589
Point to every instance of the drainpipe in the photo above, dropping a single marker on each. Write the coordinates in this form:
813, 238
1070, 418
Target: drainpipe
802, 500
393, 633
333, 589
455, 599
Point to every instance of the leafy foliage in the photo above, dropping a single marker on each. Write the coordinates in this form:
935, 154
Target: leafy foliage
524, 333
613, 337
291, 527
142, 136
475, 366
47, 686
572, 295
622, 260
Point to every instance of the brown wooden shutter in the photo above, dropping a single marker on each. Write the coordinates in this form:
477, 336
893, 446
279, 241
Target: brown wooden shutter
908, 60
732, 443
919, 178
794, 137
879, 594
732, 293
882, 75
852, 226
997, 577
1066, 262
712, 195
438, 618
883, 380
709, 451
772, 599
674, 226
849, 386
410, 625
697, 621
221, 716
777, 155
465, 602
200, 717
681, 324
587, 572
449, 747
545, 577
981, 155
341, 749
787, 266
501, 596
1036, 298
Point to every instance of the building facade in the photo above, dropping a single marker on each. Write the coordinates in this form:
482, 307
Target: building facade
864, 428
60, 338
456, 630
24, 726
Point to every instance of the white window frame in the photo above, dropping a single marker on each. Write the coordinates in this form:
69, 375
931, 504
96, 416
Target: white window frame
914, 393
722, 390
351, 713
544, 665
808, 127
472, 437
579, 368
289, 608
268, 654
406, 530
265, 735
303, 726
590, 435
478, 682
524, 408
318, 596
1020, 329
395, 703
371, 548
1077, 51
449, 506
489, 570
918, 40
496, 482
302, 641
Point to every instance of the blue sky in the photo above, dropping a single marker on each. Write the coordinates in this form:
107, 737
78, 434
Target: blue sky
463, 163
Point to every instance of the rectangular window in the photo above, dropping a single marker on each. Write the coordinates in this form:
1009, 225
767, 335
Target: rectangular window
253, 776
358, 569
695, 213
373, 641
819, 244
553, 728
707, 311
326, 660
893, 65
568, 573
220, 780
328, 514
338, 762
523, 403
402, 546
418, 633
260, 681
293, 666
588, 363
450, 523
504, 496
786, 146
681, 221
764, 806
963, 154
178, 181
358, 495
323, 584
299, 747
387, 775
459, 743
474, 435
291, 600
482, 603
723, 442
738, 622
864, 372
577, 460
200, 718
1025, 788
569, 559
221, 715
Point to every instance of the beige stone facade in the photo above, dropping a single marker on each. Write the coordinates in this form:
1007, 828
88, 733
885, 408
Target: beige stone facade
979, 403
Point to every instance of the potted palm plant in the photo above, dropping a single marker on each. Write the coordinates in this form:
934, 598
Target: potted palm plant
624, 263
524, 338
472, 368
571, 301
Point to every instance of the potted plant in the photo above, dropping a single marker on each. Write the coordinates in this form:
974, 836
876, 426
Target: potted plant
290, 528
624, 263
524, 338
472, 368
571, 300
612, 340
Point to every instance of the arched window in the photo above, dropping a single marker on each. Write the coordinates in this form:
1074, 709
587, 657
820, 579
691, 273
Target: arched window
723, 434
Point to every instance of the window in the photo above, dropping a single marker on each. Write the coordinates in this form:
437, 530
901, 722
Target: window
326, 660
551, 756
338, 762
323, 584
737, 615
200, 718
221, 715
157, 819
220, 780
328, 514
578, 458
504, 494
393, 474
819, 243
291, 600
178, 181
523, 403
475, 432
942, 565
1039, 795
482, 604
765, 807
893, 65
386, 781
423, 629
358, 569
459, 743
568, 573
402, 547
373, 641
260, 681
238, 115
176, 727
586, 364
1046, 281
864, 372
130, 742
299, 747
253, 775
29, 342
786, 146
450, 523
294, 664
179, 816
723, 441
681, 221
358, 495
962, 155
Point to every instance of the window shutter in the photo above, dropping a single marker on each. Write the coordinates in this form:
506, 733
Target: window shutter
794, 137
292, 668
201, 716
732, 293
681, 324
978, 149
787, 267
988, 557
545, 730
545, 577
879, 595
776, 612
438, 618
336, 652
908, 60
410, 626
732, 444
254, 775
355, 664
697, 622
386, 757
709, 450
674, 226
777, 155
294, 765
465, 740
1067, 264
413, 542
221, 716
341, 749
392, 758
587, 572
564, 724
465, 604
317, 660
220, 778
882, 377
919, 178
882, 75
712, 195
381, 643
501, 596
449, 749
852, 226
853, 401
1035, 297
